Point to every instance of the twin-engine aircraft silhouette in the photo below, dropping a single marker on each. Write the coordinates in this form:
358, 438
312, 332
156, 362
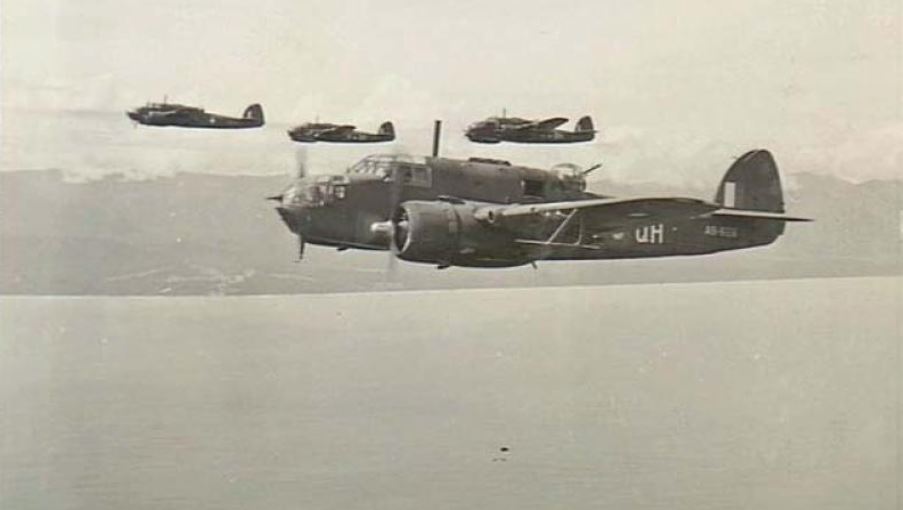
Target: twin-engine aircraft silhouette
340, 133
489, 213
172, 114
514, 129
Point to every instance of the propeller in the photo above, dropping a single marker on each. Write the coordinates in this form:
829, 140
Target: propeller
301, 162
395, 222
300, 173
300, 248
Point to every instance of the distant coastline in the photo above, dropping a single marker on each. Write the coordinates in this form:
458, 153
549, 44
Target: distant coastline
202, 234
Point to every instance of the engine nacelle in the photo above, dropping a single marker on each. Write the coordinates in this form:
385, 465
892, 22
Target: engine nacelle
447, 233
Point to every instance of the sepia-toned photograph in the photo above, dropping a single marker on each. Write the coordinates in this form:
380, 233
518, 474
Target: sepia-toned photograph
379, 254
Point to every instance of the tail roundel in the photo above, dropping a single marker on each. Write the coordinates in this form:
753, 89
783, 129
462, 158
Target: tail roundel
254, 112
752, 183
751, 192
585, 124
386, 128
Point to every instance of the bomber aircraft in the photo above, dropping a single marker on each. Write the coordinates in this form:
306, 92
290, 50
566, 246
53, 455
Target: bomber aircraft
340, 133
515, 129
490, 213
172, 114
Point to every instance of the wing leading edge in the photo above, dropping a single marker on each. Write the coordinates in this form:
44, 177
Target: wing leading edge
545, 125
338, 130
627, 208
631, 208
606, 214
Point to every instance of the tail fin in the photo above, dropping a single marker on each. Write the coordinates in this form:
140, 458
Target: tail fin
751, 192
585, 124
254, 112
386, 128
752, 184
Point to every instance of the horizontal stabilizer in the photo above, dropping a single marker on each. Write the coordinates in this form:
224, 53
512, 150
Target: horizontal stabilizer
761, 215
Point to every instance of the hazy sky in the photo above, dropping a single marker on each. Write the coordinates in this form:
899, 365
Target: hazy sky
823, 76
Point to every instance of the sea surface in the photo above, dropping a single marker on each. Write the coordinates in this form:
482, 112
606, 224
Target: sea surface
771, 394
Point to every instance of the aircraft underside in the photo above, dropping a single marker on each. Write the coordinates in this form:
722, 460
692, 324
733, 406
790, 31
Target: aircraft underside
484, 249
539, 137
206, 123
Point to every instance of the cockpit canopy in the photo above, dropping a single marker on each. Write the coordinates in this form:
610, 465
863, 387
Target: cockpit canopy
489, 124
381, 165
494, 123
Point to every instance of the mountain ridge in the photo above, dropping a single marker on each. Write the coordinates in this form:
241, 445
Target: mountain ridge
200, 234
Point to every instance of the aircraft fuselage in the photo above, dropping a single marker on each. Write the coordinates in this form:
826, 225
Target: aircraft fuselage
163, 115
441, 197
352, 137
529, 136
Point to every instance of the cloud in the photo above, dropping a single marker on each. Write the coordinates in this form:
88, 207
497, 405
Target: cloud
870, 154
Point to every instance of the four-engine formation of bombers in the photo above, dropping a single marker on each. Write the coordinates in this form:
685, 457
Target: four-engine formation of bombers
172, 114
340, 133
489, 213
514, 129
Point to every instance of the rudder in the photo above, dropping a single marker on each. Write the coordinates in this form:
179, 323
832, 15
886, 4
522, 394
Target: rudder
585, 124
386, 128
752, 183
254, 112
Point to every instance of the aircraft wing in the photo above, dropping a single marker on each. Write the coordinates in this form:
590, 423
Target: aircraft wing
337, 130
596, 215
618, 211
545, 125
605, 212
167, 113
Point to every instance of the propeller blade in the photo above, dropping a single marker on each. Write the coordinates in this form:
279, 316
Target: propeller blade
393, 215
392, 267
300, 247
301, 162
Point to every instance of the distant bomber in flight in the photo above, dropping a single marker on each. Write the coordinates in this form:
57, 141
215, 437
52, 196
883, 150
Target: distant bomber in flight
514, 129
340, 133
172, 114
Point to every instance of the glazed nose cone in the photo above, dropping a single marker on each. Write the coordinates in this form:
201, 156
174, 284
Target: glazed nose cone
292, 206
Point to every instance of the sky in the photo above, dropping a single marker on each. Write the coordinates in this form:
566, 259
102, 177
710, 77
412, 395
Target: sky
821, 80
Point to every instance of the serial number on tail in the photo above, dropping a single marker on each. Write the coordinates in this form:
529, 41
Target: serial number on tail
721, 231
